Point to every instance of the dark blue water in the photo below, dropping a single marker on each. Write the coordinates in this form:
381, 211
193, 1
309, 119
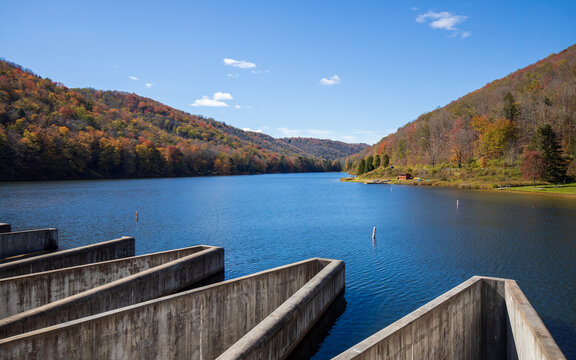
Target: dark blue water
424, 246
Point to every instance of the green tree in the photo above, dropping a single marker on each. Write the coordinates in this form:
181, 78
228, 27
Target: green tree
368, 166
545, 141
376, 162
511, 109
385, 160
361, 169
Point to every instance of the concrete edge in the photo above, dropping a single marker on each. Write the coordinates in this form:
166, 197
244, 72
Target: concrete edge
374, 339
205, 247
64, 252
94, 291
543, 337
29, 231
268, 328
147, 303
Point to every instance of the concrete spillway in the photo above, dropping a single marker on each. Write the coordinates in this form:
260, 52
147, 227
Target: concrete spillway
263, 315
107, 250
482, 318
66, 294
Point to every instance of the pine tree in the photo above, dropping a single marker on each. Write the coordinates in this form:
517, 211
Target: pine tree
385, 160
361, 168
376, 162
510, 107
545, 141
368, 163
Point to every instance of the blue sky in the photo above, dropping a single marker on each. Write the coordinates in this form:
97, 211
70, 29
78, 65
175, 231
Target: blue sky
346, 70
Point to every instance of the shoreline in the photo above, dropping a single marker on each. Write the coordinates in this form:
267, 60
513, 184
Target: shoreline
461, 186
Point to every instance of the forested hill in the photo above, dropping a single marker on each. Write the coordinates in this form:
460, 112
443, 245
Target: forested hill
493, 126
48, 131
328, 149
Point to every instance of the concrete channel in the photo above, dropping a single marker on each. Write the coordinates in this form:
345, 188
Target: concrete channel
23, 242
482, 318
140, 286
103, 251
23, 293
263, 315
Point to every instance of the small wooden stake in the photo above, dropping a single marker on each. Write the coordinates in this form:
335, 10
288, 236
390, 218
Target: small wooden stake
374, 234
136, 215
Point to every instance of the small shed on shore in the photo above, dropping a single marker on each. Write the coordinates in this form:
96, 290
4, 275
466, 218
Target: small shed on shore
404, 177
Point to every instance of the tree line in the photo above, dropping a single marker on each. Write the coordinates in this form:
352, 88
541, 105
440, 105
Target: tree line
48, 131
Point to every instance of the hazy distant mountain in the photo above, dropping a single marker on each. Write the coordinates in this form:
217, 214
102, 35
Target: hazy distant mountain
48, 131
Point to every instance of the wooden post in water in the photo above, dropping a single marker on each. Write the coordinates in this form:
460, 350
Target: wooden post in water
136, 215
374, 234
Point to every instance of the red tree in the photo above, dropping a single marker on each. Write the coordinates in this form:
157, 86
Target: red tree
533, 166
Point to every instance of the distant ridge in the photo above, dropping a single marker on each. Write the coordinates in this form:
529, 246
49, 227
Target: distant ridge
48, 131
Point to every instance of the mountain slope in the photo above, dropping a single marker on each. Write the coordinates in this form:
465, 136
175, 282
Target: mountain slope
48, 131
491, 126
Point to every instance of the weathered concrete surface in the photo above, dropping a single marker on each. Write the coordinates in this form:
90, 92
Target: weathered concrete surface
108, 250
22, 293
471, 321
196, 324
22, 242
149, 284
4, 228
529, 338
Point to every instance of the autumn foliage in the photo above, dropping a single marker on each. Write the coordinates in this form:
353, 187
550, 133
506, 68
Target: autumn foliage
48, 131
491, 127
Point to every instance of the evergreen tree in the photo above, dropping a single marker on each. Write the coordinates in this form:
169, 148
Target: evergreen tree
361, 168
376, 162
545, 141
385, 160
510, 107
368, 163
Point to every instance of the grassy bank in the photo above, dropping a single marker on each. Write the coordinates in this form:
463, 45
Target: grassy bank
489, 178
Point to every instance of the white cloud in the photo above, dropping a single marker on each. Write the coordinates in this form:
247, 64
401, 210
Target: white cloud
256, 131
358, 136
215, 101
333, 80
290, 132
132, 78
239, 63
444, 20
148, 85
238, 107
222, 96
232, 75
260, 71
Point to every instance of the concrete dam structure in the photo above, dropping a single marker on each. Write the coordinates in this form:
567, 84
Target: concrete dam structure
102, 302
482, 318
72, 305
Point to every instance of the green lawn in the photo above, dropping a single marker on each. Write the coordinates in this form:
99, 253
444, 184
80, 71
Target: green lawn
569, 189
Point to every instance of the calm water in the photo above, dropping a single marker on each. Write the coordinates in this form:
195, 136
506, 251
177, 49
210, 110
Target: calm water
425, 245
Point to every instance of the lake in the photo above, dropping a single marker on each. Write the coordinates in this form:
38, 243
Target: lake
425, 243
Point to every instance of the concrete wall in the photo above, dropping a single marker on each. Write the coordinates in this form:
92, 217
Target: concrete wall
108, 250
22, 242
482, 318
196, 324
528, 336
149, 284
281, 331
449, 327
22, 293
4, 228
